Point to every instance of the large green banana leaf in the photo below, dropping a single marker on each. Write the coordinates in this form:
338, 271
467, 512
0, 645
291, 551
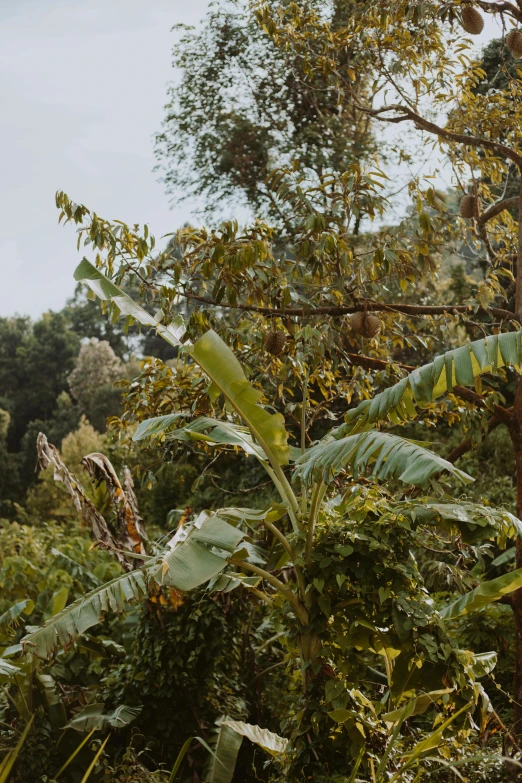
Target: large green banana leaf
194, 555
93, 717
158, 425
215, 359
220, 364
475, 521
192, 558
66, 626
390, 455
12, 615
416, 706
214, 432
87, 273
204, 429
222, 763
459, 367
484, 594
272, 743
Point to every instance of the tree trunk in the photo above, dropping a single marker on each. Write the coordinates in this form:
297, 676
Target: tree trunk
516, 437
516, 598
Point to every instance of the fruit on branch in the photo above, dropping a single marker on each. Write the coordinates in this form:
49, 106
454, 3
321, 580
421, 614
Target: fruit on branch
472, 20
514, 43
469, 207
275, 341
365, 324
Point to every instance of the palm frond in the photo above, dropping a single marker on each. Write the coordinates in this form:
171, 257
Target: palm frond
65, 627
459, 367
389, 455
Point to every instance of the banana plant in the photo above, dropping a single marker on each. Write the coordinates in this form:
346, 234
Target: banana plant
216, 548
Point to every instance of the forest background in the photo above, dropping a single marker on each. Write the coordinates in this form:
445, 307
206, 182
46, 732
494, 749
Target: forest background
172, 667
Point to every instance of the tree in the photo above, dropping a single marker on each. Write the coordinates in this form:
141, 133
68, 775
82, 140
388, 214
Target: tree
35, 360
10, 487
480, 139
245, 105
97, 365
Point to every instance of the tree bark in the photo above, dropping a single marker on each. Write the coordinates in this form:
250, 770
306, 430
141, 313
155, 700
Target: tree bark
516, 437
516, 598
515, 429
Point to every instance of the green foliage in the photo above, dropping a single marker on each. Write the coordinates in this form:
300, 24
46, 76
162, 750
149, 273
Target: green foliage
373, 683
244, 105
35, 360
193, 664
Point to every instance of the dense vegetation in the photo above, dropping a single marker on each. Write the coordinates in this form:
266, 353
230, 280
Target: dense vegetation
274, 530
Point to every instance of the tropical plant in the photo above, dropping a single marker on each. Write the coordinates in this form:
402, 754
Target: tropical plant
352, 595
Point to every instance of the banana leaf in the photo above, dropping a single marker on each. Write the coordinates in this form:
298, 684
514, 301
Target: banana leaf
459, 367
389, 455
483, 595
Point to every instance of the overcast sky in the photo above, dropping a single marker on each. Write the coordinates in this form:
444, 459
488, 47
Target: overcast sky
82, 90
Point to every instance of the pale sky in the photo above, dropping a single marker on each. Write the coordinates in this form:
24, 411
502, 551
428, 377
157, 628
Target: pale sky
82, 91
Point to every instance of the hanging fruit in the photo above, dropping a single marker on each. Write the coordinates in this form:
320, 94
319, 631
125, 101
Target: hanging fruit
275, 342
514, 43
469, 207
365, 324
472, 20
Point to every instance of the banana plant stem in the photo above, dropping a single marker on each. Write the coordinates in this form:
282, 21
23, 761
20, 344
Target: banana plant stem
281, 537
317, 497
285, 591
288, 547
303, 442
260, 594
286, 492
289, 492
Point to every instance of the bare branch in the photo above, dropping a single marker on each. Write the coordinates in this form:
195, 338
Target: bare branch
496, 209
370, 363
502, 414
499, 8
468, 445
405, 113
336, 310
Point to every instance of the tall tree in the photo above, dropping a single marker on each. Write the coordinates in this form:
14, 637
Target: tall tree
481, 139
245, 106
35, 360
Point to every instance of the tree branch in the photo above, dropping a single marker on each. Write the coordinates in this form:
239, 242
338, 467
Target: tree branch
502, 414
518, 279
496, 209
467, 445
339, 310
375, 364
483, 233
460, 138
498, 8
